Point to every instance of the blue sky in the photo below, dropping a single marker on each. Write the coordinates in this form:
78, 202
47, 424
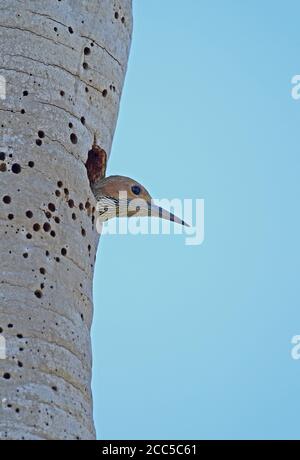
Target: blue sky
194, 342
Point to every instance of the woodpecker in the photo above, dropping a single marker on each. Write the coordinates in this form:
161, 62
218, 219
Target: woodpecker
120, 196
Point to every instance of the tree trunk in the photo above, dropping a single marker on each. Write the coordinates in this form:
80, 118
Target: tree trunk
64, 64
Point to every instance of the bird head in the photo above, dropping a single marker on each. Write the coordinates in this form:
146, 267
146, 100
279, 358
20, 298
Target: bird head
129, 198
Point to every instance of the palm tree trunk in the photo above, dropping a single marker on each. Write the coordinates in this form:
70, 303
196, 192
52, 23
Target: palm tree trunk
64, 64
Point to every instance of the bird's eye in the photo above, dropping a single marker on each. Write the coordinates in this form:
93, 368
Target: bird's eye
136, 189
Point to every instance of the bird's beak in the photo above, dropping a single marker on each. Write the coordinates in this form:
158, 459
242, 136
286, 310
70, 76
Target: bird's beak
157, 211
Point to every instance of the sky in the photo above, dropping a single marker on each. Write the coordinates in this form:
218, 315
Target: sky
194, 342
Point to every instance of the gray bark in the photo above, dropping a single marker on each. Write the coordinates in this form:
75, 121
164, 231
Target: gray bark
64, 63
